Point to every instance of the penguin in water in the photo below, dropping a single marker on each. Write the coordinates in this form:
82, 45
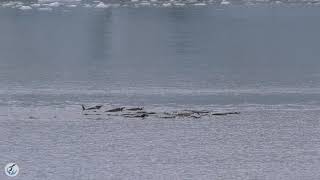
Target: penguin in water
224, 114
115, 109
136, 115
135, 109
91, 108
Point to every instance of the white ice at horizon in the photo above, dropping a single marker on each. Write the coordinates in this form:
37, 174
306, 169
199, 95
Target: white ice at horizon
225, 2
45, 9
145, 3
44, 4
54, 4
102, 5
25, 8
35, 5
166, 4
199, 4
71, 5
8, 4
179, 4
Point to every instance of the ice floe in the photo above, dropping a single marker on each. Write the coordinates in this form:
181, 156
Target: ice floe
166, 4
15, 4
102, 5
200, 4
8, 4
71, 5
25, 8
225, 2
145, 3
45, 9
46, 1
179, 4
54, 4
46, 5
35, 5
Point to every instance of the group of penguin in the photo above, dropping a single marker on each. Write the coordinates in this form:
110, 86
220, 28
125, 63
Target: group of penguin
139, 112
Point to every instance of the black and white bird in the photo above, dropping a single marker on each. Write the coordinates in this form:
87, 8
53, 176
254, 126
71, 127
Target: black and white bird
91, 108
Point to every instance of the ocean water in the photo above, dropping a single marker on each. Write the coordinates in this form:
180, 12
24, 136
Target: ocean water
208, 55
259, 58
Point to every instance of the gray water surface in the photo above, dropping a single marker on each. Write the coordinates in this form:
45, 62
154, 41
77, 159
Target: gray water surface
260, 60
206, 55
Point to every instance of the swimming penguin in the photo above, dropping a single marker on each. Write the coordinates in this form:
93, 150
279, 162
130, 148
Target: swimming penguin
91, 108
135, 115
224, 114
142, 115
145, 112
183, 114
115, 109
198, 112
135, 109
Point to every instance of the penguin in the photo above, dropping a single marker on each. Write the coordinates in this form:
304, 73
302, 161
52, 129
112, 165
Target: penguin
115, 109
90, 108
224, 114
135, 115
135, 109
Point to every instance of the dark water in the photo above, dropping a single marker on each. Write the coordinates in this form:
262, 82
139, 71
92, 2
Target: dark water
195, 55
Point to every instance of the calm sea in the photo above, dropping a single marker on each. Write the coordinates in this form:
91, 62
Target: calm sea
210, 55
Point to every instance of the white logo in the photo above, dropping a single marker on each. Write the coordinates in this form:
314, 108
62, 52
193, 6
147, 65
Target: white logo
11, 169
